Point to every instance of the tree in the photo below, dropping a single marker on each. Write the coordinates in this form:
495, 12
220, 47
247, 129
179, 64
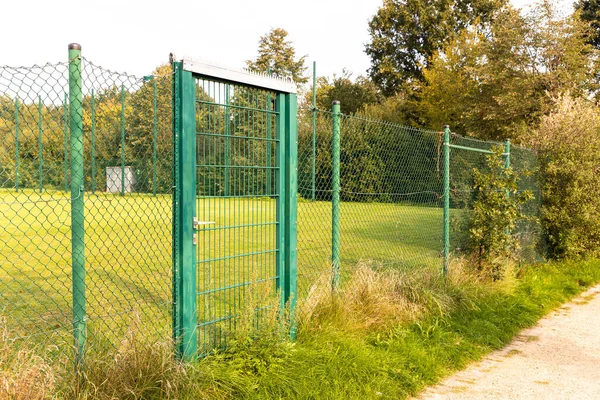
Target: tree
589, 12
353, 95
493, 83
277, 56
406, 33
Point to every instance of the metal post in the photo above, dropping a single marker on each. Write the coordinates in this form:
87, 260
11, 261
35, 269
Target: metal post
291, 208
17, 144
122, 140
314, 130
40, 144
77, 206
93, 144
335, 201
507, 154
227, 142
269, 187
66, 139
154, 133
446, 198
185, 246
280, 198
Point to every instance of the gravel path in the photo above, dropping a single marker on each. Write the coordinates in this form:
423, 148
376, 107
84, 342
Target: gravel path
559, 358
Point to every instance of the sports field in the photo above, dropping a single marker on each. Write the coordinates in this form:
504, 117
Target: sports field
128, 249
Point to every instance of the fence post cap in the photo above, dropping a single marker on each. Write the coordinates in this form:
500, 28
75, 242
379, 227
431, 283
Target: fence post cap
335, 102
446, 126
74, 46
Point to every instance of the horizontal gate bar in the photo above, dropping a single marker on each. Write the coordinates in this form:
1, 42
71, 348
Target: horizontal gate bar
244, 77
236, 136
237, 256
263, 110
237, 285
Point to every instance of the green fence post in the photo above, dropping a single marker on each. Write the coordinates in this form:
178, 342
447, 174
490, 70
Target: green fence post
185, 295
269, 187
66, 139
446, 250
93, 144
507, 154
227, 142
291, 208
122, 140
17, 144
77, 206
335, 200
314, 130
280, 190
154, 134
41, 144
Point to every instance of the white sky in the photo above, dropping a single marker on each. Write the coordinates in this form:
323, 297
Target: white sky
135, 36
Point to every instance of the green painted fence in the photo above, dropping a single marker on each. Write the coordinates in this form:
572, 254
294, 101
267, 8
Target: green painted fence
179, 203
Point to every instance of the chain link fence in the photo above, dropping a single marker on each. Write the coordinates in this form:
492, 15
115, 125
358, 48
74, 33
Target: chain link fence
391, 197
127, 190
391, 193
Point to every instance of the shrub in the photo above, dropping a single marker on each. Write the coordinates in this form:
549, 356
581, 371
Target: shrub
568, 140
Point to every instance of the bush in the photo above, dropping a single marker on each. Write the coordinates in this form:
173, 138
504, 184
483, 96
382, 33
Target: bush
568, 140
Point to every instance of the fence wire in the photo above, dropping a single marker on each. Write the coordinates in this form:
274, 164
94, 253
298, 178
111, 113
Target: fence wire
391, 195
127, 199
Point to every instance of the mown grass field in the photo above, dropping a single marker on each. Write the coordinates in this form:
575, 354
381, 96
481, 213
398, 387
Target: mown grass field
128, 246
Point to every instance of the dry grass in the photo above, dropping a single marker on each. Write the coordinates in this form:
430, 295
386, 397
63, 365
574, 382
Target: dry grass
373, 298
23, 374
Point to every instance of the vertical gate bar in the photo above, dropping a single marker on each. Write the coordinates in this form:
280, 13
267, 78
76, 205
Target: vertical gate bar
93, 144
66, 139
122, 140
17, 144
227, 141
77, 205
176, 229
154, 132
41, 144
314, 129
186, 135
280, 174
446, 193
335, 200
291, 208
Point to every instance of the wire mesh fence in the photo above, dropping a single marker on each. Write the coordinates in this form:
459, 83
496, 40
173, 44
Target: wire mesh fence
390, 209
126, 198
392, 196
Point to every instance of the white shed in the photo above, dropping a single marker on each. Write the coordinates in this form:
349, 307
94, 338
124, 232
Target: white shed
116, 175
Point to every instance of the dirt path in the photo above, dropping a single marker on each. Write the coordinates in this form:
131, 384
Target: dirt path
559, 358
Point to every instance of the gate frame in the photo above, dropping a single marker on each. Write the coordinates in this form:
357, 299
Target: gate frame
184, 195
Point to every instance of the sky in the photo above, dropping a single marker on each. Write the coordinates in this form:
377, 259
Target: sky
136, 36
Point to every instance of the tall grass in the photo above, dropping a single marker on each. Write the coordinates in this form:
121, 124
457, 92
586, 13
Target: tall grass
384, 334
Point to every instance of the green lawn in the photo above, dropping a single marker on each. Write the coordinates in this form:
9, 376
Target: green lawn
128, 255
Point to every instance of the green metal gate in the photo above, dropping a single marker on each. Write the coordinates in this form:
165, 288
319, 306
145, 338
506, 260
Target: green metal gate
235, 170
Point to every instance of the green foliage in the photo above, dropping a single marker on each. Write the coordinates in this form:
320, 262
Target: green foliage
569, 143
492, 83
589, 11
496, 209
277, 55
405, 34
353, 95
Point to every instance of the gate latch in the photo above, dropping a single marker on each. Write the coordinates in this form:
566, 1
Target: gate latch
198, 224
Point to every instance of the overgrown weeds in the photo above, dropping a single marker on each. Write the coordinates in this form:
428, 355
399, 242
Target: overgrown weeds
385, 333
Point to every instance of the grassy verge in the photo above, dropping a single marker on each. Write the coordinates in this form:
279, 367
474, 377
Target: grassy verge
389, 335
